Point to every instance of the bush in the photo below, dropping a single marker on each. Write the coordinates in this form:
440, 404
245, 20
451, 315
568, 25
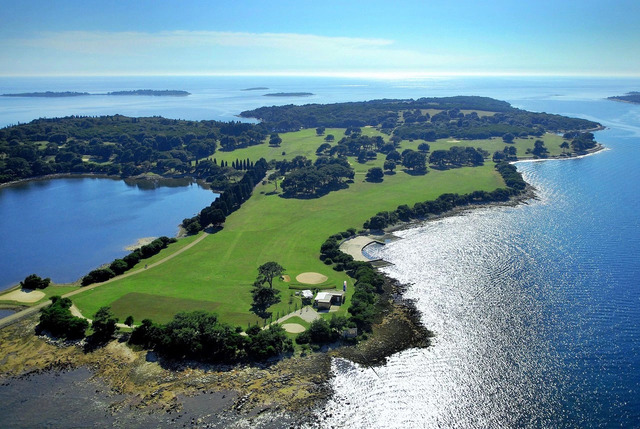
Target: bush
33, 281
98, 276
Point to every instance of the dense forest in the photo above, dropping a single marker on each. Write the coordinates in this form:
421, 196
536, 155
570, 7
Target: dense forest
124, 146
120, 145
410, 119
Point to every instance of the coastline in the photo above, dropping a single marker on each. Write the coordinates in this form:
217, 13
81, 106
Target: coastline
372, 350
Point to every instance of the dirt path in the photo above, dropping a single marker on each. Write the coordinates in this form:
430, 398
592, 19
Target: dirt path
36, 308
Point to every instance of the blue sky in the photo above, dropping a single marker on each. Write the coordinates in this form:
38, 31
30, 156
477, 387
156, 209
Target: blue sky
363, 38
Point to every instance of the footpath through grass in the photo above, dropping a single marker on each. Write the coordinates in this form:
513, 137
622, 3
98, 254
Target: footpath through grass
217, 273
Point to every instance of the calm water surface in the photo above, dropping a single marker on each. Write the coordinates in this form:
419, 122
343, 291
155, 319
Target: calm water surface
63, 228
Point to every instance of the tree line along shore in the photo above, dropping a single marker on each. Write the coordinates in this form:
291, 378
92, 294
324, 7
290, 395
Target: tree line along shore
292, 187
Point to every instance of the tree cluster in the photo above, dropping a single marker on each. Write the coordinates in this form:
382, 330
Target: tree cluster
509, 153
445, 202
325, 175
408, 121
457, 156
229, 201
581, 142
200, 335
33, 281
360, 114
117, 145
321, 332
119, 266
57, 319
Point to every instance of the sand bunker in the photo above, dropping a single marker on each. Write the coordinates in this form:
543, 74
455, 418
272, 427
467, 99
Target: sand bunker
286, 278
293, 328
23, 295
311, 278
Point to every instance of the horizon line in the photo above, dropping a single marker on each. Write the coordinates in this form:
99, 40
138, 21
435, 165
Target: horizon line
384, 75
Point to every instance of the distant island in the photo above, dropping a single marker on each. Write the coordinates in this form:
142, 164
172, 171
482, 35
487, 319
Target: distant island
145, 92
257, 88
153, 92
49, 94
630, 97
289, 94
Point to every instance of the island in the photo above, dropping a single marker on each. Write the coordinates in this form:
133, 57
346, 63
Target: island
257, 88
265, 285
289, 94
630, 97
48, 94
152, 92
143, 92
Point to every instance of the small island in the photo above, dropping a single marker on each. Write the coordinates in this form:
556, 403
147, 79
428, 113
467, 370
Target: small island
152, 92
257, 88
48, 94
289, 94
143, 92
630, 97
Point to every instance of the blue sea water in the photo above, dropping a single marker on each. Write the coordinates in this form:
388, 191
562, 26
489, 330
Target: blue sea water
534, 307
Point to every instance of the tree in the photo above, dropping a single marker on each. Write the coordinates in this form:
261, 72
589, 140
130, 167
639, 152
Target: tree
424, 147
275, 140
375, 174
263, 298
508, 138
129, 321
104, 324
539, 149
329, 138
389, 165
320, 131
269, 270
33, 281
415, 161
273, 177
119, 266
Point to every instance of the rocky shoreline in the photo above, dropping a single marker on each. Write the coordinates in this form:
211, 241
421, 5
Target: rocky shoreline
279, 393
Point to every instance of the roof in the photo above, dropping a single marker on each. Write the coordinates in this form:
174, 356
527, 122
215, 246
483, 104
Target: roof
307, 294
324, 296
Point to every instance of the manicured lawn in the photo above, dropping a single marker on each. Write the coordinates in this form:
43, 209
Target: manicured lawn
219, 271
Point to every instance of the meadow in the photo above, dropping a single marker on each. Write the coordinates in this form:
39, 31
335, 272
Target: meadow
217, 274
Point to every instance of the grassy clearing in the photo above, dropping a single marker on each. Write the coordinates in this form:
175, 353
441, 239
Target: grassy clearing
220, 270
156, 307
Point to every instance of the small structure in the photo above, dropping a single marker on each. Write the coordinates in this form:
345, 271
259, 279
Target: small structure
324, 300
306, 296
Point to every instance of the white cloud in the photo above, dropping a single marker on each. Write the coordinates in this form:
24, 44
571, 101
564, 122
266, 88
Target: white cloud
209, 52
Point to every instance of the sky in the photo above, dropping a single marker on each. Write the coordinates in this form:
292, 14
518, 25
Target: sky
327, 38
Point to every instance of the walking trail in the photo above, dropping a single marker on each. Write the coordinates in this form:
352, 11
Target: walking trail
36, 308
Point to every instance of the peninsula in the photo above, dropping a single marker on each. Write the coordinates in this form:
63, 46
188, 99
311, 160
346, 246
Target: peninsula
630, 97
266, 256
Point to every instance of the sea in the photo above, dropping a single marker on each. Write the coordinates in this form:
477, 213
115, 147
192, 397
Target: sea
534, 308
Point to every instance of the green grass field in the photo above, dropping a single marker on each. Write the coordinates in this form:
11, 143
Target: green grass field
218, 272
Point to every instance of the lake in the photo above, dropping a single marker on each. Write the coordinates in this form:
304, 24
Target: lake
64, 228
